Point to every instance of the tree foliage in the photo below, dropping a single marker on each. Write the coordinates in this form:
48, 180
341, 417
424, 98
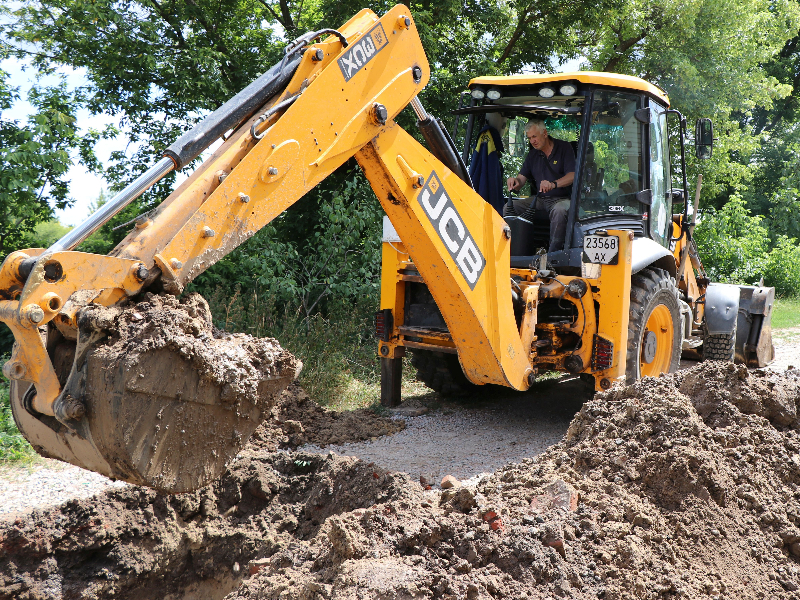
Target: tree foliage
735, 247
775, 188
35, 157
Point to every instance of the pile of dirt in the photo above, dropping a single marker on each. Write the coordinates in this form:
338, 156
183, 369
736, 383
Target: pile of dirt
680, 487
138, 543
298, 420
686, 486
169, 398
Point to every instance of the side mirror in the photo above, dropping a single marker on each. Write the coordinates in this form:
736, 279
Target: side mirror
642, 115
703, 138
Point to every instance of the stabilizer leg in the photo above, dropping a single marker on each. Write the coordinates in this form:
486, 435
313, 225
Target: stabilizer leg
391, 377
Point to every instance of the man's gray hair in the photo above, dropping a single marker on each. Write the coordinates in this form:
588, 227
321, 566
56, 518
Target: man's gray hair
538, 123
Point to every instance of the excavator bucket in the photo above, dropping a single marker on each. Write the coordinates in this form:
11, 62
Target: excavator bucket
153, 395
754, 326
148, 393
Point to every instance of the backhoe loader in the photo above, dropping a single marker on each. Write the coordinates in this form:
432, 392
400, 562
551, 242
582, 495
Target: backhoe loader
464, 288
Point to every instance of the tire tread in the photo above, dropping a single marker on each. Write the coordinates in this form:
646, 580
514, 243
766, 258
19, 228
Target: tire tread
441, 372
645, 285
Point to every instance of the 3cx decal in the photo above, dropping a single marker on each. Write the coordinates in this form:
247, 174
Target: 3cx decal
451, 229
363, 51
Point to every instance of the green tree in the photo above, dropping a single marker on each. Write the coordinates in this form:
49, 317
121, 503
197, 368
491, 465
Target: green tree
774, 192
159, 65
45, 234
735, 247
709, 55
35, 158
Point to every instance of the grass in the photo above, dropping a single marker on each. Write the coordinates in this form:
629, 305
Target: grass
14, 449
341, 368
786, 313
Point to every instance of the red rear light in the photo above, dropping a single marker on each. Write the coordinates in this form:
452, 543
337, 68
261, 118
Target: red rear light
383, 324
602, 353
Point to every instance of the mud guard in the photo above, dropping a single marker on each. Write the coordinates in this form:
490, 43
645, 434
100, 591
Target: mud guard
647, 253
722, 307
754, 326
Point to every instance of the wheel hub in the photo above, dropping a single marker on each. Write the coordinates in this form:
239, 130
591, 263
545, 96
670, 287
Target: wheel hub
649, 347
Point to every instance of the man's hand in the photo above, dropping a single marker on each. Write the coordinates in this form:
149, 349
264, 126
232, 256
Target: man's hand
516, 183
546, 186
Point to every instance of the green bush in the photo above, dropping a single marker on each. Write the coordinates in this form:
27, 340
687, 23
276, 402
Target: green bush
782, 268
13, 447
733, 244
735, 247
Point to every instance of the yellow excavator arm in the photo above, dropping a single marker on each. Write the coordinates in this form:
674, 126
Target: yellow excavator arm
341, 102
327, 102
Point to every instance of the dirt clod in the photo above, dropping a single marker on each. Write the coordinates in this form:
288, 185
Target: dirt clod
298, 420
685, 486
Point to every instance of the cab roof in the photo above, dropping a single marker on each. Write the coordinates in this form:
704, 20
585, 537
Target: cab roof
592, 77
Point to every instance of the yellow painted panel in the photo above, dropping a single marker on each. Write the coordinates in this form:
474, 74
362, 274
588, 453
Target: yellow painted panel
337, 105
615, 301
593, 77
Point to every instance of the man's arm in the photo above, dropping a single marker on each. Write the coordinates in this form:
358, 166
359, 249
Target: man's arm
563, 181
567, 167
516, 183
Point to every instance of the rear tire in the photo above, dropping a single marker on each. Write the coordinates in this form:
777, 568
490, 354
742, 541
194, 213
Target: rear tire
654, 327
719, 347
442, 373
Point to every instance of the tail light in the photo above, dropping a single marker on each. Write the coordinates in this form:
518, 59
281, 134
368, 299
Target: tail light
602, 353
383, 324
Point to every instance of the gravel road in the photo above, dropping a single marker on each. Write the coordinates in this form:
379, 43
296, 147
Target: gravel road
48, 483
463, 439
787, 349
468, 439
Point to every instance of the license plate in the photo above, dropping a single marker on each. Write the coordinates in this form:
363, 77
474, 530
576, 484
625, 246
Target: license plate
600, 249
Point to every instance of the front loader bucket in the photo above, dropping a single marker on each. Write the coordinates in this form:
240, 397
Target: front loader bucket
754, 326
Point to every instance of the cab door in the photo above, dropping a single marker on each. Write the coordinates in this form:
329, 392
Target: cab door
660, 182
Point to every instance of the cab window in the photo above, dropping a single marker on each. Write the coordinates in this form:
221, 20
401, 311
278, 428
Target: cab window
661, 202
613, 170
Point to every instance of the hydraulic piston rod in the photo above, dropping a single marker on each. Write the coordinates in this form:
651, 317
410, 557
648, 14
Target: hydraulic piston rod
99, 218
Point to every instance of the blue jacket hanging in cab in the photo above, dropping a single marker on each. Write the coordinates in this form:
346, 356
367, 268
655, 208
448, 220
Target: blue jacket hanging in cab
485, 168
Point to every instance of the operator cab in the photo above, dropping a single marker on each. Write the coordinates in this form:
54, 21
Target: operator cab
617, 127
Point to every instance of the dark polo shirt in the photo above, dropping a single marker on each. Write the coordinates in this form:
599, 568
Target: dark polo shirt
538, 167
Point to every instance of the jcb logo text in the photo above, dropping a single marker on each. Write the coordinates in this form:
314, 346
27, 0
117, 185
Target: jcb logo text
451, 229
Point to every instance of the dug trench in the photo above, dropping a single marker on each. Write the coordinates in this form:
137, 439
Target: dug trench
685, 486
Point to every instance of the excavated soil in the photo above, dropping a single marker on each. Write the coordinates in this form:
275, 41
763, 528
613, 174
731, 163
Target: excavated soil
686, 486
298, 420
